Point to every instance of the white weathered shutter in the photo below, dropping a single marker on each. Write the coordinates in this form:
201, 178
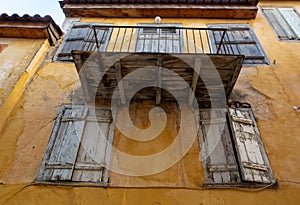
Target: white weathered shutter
156, 39
284, 21
217, 150
65, 139
93, 158
252, 157
293, 20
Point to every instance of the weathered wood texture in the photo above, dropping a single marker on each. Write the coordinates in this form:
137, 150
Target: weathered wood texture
78, 149
225, 67
162, 10
231, 148
82, 36
252, 156
217, 150
239, 39
284, 21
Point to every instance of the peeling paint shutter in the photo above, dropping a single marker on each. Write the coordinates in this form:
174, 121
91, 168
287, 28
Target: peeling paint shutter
252, 157
162, 40
79, 148
217, 150
239, 39
93, 158
81, 37
63, 156
284, 21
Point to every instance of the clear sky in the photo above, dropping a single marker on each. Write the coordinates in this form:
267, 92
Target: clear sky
32, 7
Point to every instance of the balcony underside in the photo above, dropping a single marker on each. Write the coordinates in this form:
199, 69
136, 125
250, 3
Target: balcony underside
99, 83
229, 11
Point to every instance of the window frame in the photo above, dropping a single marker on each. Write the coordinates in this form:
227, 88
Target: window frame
239, 26
104, 171
68, 35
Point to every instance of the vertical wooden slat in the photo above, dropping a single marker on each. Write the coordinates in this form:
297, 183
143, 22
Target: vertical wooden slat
158, 83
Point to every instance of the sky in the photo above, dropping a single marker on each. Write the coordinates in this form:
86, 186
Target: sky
32, 7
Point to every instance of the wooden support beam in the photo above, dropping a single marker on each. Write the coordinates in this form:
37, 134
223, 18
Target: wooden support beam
158, 85
162, 10
120, 83
194, 80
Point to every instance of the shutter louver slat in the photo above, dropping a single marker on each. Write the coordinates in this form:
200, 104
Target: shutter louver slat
251, 154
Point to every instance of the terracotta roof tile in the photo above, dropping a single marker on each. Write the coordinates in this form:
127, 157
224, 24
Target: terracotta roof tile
27, 26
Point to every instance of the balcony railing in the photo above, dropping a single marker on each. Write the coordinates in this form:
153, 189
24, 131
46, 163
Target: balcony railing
160, 39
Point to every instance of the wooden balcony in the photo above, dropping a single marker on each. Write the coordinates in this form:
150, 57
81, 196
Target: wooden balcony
187, 52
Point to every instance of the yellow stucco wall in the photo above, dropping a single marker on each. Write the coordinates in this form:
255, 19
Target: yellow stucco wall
271, 90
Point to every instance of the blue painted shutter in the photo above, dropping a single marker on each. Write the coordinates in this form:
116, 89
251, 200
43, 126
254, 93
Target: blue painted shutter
82, 37
159, 40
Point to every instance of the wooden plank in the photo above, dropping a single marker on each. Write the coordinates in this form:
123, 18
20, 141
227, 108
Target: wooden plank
158, 81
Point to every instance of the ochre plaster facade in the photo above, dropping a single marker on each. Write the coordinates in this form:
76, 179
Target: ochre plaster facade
27, 122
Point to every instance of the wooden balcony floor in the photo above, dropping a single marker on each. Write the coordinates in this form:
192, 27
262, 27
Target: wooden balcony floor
101, 72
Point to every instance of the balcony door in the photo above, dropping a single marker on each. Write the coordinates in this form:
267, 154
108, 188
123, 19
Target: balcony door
153, 38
